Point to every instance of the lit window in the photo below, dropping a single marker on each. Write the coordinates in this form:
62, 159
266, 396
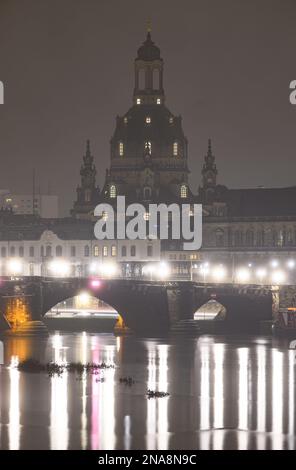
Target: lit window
105, 251
148, 120
96, 250
112, 191
148, 147
171, 120
175, 149
125, 120
183, 191
138, 100
158, 101
113, 250
121, 149
147, 216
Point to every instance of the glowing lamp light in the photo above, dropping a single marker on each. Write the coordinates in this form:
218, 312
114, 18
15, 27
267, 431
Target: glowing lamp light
15, 266
59, 268
274, 263
149, 269
261, 273
95, 283
163, 270
243, 275
83, 299
108, 269
93, 267
219, 273
278, 277
291, 264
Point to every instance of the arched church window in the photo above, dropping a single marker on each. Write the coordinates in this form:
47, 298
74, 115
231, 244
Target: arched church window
112, 191
21, 251
121, 149
113, 250
175, 149
86, 250
155, 79
96, 250
183, 191
141, 78
148, 147
147, 193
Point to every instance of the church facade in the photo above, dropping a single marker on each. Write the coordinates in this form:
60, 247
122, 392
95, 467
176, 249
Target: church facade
149, 163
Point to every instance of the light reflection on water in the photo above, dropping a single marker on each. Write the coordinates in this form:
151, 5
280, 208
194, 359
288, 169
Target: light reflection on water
224, 393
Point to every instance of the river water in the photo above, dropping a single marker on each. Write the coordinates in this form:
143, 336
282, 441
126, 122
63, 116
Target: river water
231, 392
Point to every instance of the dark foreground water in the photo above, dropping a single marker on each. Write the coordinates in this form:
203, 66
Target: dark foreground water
225, 393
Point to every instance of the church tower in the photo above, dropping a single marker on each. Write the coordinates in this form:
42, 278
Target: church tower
148, 147
209, 170
88, 193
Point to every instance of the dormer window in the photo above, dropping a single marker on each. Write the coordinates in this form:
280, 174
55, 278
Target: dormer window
125, 120
121, 149
112, 191
138, 100
171, 120
183, 191
148, 120
175, 149
148, 147
158, 101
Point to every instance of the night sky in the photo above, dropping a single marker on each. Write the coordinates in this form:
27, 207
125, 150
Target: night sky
67, 69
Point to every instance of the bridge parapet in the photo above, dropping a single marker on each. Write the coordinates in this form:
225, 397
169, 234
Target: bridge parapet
153, 305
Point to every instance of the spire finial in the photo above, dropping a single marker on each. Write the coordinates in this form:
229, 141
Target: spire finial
209, 147
88, 147
148, 27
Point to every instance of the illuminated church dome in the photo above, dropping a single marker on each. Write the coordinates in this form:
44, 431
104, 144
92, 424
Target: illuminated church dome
148, 147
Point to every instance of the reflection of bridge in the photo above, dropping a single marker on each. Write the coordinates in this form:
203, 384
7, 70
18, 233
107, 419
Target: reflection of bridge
150, 306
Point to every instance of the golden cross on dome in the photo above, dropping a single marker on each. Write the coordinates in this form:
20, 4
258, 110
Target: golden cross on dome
148, 26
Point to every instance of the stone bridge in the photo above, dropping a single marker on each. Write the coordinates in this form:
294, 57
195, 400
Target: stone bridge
147, 306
